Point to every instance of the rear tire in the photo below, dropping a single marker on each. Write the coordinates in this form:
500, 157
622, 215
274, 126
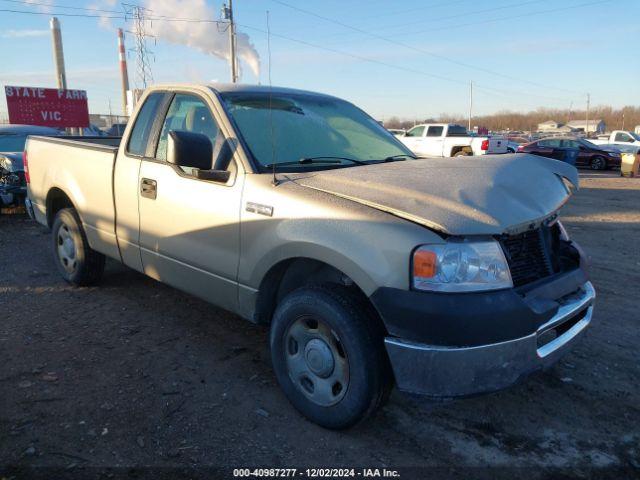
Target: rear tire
328, 356
462, 153
598, 163
76, 261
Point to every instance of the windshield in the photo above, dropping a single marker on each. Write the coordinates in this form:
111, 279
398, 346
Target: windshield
12, 143
299, 126
635, 135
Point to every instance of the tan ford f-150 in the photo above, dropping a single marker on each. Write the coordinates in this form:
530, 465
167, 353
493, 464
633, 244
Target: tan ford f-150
445, 277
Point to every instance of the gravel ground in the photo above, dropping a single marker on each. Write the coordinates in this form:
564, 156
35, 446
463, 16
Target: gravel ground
134, 375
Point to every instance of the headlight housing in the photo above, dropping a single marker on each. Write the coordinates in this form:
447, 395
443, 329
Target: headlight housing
460, 265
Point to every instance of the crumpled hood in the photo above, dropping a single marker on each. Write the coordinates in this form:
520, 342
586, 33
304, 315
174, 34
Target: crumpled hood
486, 195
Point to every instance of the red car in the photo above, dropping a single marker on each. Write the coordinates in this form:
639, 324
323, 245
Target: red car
586, 154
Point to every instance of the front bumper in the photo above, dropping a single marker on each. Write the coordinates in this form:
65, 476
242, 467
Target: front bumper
451, 371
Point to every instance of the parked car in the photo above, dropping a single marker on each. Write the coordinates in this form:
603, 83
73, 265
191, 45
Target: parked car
618, 137
92, 131
398, 132
13, 189
116, 130
588, 155
450, 140
447, 277
514, 142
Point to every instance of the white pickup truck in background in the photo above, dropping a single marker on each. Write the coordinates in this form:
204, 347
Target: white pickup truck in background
618, 137
450, 140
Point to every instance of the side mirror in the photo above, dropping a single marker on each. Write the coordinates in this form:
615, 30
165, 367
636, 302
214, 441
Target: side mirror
189, 149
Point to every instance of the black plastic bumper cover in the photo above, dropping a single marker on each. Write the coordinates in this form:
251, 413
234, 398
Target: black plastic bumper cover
448, 345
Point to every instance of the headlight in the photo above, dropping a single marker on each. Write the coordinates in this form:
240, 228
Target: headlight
461, 265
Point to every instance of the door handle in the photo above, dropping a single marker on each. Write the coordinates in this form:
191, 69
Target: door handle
149, 188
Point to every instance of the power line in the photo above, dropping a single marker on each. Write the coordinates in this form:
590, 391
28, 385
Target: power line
420, 50
510, 17
69, 7
465, 14
313, 45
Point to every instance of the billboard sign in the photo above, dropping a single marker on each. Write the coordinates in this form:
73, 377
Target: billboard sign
48, 107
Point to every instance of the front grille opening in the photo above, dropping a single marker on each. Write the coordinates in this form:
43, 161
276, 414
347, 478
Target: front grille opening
537, 254
551, 334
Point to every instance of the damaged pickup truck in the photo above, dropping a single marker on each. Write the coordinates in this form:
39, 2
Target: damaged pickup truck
445, 277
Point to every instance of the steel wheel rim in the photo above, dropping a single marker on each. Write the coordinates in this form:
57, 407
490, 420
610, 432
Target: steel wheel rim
66, 249
316, 361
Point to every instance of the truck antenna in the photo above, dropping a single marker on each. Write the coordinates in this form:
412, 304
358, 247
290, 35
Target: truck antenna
274, 180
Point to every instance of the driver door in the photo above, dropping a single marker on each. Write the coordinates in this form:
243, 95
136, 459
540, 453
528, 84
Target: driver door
414, 139
190, 228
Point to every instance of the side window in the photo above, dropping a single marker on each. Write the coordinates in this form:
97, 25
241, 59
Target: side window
415, 132
140, 134
543, 143
188, 113
570, 144
623, 137
554, 143
435, 131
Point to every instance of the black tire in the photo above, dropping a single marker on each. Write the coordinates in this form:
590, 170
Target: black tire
357, 338
82, 266
598, 163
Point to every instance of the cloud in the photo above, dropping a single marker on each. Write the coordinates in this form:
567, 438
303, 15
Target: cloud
24, 33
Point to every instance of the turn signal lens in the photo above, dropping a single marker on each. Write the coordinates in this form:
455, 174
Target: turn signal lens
424, 264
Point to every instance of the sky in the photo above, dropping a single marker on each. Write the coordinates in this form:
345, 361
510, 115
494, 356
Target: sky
413, 59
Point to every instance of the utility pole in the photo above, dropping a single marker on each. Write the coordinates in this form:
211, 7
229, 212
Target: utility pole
227, 13
570, 108
470, 103
587, 120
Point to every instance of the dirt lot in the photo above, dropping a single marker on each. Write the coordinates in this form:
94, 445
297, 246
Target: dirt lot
135, 374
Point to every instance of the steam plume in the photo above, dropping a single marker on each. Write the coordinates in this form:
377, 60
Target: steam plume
201, 35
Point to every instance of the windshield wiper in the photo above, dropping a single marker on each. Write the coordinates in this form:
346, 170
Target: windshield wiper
310, 160
401, 156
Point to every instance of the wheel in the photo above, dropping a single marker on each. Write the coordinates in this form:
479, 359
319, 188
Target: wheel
510, 150
462, 153
328, 356
76, 261
598, 163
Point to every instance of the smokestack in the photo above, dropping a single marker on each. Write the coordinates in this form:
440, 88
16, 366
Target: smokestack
58, 54
123, 71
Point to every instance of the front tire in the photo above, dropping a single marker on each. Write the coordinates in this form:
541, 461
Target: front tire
328, 356
76, 261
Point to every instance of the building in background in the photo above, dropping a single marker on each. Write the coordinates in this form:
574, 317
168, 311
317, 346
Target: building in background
595, 125
548, 125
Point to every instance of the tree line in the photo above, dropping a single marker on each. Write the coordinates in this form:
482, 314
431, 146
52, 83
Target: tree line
625, 118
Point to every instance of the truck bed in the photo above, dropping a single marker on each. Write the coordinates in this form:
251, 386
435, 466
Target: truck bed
84, 166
